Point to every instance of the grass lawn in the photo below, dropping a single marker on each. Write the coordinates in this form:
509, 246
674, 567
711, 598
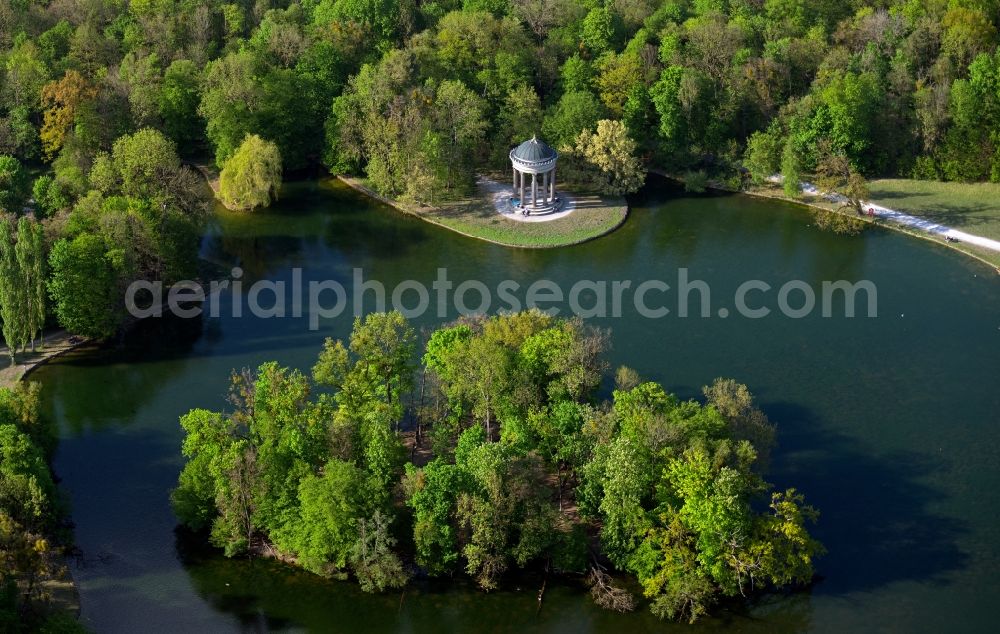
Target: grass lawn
970, 207
476, 217
973, 208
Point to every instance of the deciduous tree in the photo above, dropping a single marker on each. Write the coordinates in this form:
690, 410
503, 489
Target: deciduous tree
83, 286
574, 112
14, 185
609, 153
13, 291
30, 252
62, 100
251, 177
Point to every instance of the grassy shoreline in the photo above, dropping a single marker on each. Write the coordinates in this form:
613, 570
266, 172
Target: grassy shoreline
985, 256
970, 207
475, 217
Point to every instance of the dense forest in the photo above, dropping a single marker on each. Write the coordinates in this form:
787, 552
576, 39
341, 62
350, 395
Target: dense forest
103, 102
513, 463
900, 87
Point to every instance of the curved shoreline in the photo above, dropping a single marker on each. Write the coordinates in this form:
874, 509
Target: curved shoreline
904, 229
210, 174
358, 186
56, 344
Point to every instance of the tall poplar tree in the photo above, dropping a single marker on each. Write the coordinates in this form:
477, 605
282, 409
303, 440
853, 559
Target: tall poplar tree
30, 261
40, 263
11, 290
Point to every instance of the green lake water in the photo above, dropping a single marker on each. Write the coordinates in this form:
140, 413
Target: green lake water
888, 425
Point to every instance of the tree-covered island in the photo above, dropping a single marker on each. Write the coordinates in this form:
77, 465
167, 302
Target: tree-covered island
495, 454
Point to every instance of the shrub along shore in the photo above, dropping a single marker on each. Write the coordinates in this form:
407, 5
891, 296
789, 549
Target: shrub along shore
37, 592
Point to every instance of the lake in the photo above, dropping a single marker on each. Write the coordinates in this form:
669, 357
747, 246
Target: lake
888, 425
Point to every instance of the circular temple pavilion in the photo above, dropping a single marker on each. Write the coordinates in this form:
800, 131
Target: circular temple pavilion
538, 159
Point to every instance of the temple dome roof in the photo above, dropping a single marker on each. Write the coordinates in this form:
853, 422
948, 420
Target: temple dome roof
533, 151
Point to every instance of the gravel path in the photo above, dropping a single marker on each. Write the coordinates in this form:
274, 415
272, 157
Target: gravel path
56, 343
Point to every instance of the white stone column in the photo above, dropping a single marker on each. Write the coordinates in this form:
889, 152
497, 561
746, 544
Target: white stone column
534, 190
545, 188
552, 184
520, 180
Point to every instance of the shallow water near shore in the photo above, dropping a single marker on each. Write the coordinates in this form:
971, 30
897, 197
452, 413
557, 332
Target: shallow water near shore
887, 425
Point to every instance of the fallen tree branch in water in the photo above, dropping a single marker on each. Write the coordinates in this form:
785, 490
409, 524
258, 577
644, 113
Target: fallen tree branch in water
606, 594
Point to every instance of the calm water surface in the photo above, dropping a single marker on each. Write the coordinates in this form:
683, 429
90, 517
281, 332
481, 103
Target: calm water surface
888, 425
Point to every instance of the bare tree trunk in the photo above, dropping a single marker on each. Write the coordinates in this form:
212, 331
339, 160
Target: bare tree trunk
559, 475
545, 580
420, 407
